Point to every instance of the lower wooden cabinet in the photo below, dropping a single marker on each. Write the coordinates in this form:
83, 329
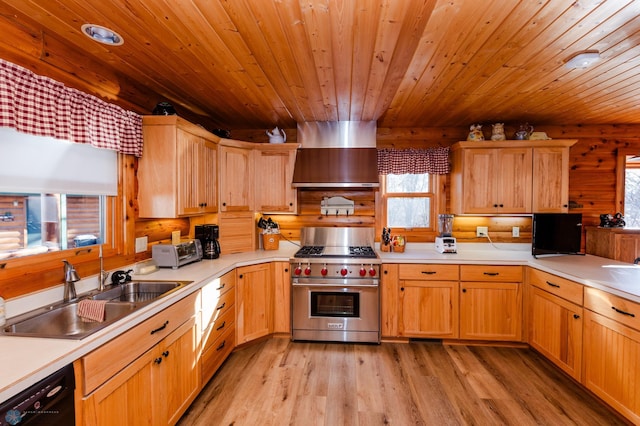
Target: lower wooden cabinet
156, 384
254, 303
491, 302
612, 351
282, 298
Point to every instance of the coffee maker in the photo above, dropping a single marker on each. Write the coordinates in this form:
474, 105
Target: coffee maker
445, 243
208, 236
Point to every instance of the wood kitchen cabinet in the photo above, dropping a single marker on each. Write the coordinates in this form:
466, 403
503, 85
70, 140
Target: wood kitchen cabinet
611, 351
274, 168
428, 301
254, 302
218, 323
491, 302
148, 375
389, 296
555, 319
236, 176
613, 243
177, 175
510, 177
282, 298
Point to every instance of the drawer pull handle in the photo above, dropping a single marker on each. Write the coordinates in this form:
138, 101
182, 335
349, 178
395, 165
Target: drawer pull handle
222, 326
552, 284
492, 274
221, 306
221, 287
221, 345
166, 323
165, 354
620, 311
428, 272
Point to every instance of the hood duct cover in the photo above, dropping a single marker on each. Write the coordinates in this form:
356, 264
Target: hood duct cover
339, 154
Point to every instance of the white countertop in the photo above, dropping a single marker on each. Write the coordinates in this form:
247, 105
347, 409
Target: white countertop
24, 361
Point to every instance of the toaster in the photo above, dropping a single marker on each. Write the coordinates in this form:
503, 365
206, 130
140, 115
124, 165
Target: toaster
176, 255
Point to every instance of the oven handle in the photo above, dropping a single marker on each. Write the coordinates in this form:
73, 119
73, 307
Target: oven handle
322, 286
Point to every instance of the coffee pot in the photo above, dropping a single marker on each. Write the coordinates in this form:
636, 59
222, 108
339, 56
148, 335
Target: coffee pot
524, 131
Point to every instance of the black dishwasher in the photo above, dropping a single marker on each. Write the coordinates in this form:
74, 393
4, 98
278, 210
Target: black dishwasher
48, 402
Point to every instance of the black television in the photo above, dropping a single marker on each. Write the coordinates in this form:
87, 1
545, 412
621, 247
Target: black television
556, 233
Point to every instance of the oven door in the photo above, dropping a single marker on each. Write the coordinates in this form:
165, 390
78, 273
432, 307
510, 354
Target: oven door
335, 312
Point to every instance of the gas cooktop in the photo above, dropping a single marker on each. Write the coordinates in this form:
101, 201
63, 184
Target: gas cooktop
336, 252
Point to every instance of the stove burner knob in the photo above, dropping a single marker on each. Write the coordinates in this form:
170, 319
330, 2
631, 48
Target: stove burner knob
324, 271
363, 272
298, 270
344, 271
372, 272
307, 270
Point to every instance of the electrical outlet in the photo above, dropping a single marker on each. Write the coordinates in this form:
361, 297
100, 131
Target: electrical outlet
482, 231
141, 244
515, 232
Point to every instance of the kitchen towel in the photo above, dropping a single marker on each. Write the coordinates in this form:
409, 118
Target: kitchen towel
92, 310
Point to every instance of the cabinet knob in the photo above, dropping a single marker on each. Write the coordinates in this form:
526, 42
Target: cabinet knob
464, 290
157, 360
576, 316
286, 269
165, 354
401, 288
224, 204
240, 276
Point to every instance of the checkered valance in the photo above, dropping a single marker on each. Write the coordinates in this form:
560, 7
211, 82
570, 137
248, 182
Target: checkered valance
413, 160
41, 106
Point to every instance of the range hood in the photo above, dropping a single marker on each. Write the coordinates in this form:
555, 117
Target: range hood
336, 154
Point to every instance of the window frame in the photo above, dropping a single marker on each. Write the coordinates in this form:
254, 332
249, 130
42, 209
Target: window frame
437, 196
27, 274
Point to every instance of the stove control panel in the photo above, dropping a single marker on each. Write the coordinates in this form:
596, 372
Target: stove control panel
362, 270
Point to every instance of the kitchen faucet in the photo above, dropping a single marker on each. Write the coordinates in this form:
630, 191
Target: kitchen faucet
70, 277
102, 275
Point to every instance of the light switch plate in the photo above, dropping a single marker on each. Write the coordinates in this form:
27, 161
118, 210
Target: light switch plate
141, 244
515, 232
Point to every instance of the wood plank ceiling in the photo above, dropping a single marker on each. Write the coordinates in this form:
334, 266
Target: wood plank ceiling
250, 64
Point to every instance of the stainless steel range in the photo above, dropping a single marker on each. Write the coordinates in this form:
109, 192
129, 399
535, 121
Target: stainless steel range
335, 291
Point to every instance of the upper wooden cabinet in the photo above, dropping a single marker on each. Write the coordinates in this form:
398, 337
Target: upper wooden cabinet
236, 176
177, 171
510, 177
274, 163
613, 243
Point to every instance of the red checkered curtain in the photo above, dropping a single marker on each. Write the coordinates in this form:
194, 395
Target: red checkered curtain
413, 161
41, 106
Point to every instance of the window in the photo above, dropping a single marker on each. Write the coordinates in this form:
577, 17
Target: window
39, 223
632, 192
409, 201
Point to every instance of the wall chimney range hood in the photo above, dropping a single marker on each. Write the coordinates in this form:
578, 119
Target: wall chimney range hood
336, 154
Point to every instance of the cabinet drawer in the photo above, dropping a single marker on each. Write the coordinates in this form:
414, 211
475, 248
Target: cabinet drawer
429, 272
113, 356
614, 307
217, 328
214, 307
561, 287
213, 357
490, 273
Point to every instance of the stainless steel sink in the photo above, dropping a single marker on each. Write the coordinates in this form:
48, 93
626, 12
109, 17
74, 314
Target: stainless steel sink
138, 291
62, 321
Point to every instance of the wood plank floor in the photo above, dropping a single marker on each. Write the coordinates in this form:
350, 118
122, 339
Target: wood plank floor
278, 382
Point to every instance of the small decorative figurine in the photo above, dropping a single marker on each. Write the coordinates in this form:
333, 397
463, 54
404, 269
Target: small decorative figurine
523, 132
497, 132
476, 133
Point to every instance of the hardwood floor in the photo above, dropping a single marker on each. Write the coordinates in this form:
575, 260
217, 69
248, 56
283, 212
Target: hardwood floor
278, 382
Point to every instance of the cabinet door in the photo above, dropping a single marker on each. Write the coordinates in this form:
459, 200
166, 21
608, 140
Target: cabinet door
282, 294
478, 179
428, 309
208, 176
513, 182
555, 329
490, 311
274, 193
187, 163
236, 179
176, 374
389, 296
126, 399
253, 302
550, 180
611, 368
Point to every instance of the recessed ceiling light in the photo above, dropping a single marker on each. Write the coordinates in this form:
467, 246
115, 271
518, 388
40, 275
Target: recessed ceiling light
582, 59
102, 34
